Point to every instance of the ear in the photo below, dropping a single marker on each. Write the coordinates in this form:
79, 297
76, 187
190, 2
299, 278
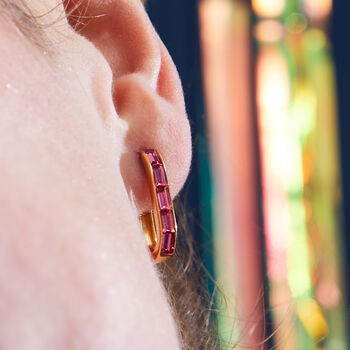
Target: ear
146, 92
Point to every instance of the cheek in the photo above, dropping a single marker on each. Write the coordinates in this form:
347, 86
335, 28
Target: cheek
60, 146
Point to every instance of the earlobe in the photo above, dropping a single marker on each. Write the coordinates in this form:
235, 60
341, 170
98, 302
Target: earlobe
153, 123
146, 92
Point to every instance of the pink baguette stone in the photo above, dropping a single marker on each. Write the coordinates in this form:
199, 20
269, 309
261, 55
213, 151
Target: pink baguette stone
164, 200
159, 176
168, 222
153, 157
168, 244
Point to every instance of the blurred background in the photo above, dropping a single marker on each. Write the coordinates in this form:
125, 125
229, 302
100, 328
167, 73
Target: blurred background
268, 197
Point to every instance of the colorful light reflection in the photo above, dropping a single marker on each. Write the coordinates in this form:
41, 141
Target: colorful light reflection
317, 9
300, 175
268, 8
297, 134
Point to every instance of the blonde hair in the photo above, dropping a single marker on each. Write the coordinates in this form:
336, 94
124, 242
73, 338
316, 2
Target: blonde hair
20, 15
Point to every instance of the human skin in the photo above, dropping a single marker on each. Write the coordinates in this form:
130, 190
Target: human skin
75, 272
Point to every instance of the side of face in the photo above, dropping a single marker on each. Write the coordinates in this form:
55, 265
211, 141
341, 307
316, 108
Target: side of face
74, 269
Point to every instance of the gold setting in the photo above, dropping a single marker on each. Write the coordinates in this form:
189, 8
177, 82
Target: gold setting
153, 229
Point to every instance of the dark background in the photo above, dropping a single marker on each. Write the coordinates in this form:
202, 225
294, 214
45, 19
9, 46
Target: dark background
177, 24
340, 37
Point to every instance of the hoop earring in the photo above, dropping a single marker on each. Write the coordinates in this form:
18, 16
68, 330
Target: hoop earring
159, 225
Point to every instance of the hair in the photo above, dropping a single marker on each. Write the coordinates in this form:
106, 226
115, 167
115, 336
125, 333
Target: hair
183, 276
20, 15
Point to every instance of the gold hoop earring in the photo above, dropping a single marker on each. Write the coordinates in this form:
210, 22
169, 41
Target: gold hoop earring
159, 225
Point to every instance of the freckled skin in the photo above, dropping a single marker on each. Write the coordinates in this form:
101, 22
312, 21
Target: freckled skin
74, 269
